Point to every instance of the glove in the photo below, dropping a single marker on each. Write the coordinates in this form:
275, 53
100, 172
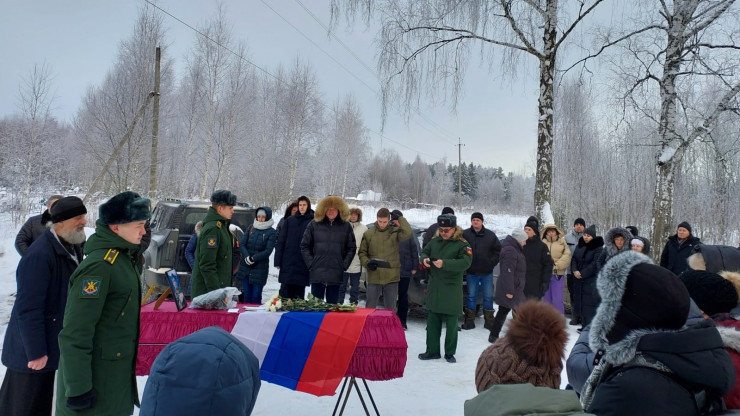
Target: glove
396, 214
249, 260
372, 265
81, 402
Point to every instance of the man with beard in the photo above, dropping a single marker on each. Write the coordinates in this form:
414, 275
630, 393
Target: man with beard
34, 227
31, 350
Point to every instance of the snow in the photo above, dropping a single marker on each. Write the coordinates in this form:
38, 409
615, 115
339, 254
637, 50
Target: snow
427, 387
666, 155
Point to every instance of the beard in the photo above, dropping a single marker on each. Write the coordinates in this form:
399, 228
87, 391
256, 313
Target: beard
74, 237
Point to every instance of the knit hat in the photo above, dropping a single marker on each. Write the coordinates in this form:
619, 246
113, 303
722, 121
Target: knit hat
685, 225
712, 293
447, 220
632, 229
223, 197
531, 350
519, 235
124, 208
476, 215
579, 220
636, 294
591, 230
66, 208
448, 210
637, 242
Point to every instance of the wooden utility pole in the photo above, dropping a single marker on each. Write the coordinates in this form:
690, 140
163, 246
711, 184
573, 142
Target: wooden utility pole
459, 174
155, 129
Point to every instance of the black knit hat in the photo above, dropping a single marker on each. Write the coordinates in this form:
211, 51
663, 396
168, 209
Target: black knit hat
223, 197
712, 293
124, 208
66, 208
685, 225
448, 210
591, 230
579, 220
447, 220
476, 215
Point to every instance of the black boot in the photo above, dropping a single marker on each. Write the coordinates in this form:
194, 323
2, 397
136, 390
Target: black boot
427, 356
469, 319
498, 323
488, 316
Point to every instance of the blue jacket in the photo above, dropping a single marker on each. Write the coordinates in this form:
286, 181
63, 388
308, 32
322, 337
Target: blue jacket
258, 244
42, 277
288, 257
208, 372
409, 256
190, 250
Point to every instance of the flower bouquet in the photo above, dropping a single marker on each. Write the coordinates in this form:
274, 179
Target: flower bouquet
312, 304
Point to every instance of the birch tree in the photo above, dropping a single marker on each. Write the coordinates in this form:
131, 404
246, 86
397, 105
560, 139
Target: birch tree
425, 46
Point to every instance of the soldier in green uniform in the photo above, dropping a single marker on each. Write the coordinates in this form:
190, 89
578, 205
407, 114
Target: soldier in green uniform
101, 320
213, 254
447, 255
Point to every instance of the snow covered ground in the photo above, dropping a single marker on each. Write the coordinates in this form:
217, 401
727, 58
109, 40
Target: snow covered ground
427, 387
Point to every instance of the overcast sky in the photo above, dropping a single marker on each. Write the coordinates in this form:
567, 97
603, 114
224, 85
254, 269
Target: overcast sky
79, 39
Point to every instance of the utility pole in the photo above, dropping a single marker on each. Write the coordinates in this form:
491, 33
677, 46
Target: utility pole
459, 174
155, 129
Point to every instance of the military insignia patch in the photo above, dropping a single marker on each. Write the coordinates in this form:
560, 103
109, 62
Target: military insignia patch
218, 224
211, 242
468, 251
90, 288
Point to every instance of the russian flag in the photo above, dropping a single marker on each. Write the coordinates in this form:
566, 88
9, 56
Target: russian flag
303, 351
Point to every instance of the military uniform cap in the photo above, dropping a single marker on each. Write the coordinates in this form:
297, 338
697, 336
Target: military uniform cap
124, 208
223, 197
447, 220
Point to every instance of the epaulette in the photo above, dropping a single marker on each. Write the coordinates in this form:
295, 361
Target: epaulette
111, 255
218, 224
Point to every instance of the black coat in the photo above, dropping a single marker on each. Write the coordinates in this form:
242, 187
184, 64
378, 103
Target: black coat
539, 267
288, 258
674, 255
42, 277
585, 257
429, 234
408, 254
486, 250
328, 248
29, 232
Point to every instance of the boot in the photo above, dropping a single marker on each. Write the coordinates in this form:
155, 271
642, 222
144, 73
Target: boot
469, 319
498, 323
488, 316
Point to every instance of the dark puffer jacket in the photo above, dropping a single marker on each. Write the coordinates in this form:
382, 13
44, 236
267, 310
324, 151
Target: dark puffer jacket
288, 258
258, 242
675, 254
29, 232
408, 254
328, 247
486, 250
539, 267
512, 276
585, 297
208, 372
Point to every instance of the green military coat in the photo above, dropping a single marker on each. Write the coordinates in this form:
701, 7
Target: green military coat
101, 327
212, 269
444, 292
383, 244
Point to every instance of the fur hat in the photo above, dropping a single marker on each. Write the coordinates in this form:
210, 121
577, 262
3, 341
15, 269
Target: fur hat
223, 197
591, 230
124, 208
519, 235
66, 208
712, 293
448, 210
632, 229
636, 294
331, 201
531, 350
356, 210
579, 220
447, 220
476, 215
685, 225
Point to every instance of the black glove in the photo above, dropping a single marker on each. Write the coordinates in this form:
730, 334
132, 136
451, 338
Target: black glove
81, 402
372, 265
396, 214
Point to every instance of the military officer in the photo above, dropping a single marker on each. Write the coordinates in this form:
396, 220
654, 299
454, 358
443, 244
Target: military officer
101, 320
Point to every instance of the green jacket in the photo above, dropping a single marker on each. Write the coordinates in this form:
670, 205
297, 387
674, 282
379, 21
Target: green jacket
212, 269
444, 292
101, 327
523, 399
383, 244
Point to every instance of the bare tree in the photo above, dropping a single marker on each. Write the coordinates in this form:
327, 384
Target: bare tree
425, 44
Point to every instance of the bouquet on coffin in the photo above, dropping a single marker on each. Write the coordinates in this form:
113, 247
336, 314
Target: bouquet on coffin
312, 304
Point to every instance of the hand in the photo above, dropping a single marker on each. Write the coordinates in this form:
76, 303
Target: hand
425, 262
372, 265
438, 263
396, 214
249, 260
39, 363
508, 296
81, 402
413, 272
577, 274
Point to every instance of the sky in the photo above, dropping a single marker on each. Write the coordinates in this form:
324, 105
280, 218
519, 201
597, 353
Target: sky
78, 39
443, 386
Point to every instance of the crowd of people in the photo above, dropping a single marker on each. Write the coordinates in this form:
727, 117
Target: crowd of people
654, 338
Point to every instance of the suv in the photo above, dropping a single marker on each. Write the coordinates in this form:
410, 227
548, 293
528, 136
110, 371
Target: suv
173, 222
